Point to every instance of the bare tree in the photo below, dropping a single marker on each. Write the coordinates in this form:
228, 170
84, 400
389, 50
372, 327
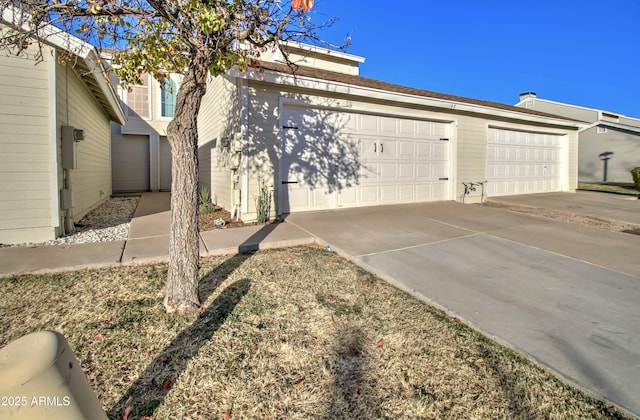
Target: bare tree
192, 37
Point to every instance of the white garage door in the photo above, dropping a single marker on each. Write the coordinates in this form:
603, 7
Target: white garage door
520, 162
333, 159
130, 163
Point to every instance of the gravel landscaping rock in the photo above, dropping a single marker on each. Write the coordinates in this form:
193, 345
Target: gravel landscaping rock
108, 222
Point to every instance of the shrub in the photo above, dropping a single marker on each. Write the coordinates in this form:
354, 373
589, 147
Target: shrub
635, 173
204, 197
207, 208
263, 203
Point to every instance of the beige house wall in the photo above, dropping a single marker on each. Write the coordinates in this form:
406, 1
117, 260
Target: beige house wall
468, 137
624, 147
26, 202
218, 122
77, 107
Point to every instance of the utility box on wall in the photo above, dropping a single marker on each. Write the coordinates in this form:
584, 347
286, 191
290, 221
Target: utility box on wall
70, 136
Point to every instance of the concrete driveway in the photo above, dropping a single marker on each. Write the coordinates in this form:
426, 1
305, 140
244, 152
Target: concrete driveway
567, 295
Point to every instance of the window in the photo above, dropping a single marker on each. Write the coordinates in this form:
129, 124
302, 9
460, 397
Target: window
138, 99
168, 98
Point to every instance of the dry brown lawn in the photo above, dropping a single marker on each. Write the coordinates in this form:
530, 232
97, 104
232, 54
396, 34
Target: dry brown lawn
294, 333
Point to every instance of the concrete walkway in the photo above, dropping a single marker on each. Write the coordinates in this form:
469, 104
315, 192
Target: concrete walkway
148, 242
566, 295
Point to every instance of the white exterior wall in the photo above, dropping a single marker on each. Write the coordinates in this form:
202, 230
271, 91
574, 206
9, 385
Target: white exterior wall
26, 186
77, 107
468, 137
218, 120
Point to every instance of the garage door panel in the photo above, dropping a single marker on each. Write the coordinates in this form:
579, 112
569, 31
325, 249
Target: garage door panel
397, 163
522, 162
388, 193
368, 124
388, 149
406, 128
439, 191
388, 125
438, 170
406, 149
388, 171
423, 150
439, 150
405, 171
369, 194
423, 172
406, 193
348, 197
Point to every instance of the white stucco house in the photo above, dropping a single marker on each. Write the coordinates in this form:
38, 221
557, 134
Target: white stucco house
55, 155
609, 142
322, 137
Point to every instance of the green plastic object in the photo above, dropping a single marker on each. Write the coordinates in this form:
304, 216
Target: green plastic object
40, 378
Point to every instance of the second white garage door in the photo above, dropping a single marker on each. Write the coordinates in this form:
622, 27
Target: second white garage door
333, 159
521, 162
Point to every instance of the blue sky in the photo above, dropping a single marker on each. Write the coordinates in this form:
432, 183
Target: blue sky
580, 52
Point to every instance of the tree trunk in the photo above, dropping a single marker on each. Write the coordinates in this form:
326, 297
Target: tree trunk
182, 133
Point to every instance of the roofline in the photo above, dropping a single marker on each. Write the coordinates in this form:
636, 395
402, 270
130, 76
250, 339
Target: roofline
598, 110
449, 103
325, 51
613, 125
63, 40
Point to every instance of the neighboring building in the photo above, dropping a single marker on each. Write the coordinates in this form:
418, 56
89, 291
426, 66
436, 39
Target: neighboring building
51, 175
141, 152
609, 143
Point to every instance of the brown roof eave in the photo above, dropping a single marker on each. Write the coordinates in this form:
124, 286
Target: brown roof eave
390, 87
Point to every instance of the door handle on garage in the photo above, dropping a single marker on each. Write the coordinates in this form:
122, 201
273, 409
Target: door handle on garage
289, 182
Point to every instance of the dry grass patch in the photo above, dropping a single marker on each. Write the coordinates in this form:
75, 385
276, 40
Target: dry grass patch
626, 188
296, 333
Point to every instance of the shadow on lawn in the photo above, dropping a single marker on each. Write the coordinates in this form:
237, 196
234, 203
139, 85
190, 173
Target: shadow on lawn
151, 387
351, 390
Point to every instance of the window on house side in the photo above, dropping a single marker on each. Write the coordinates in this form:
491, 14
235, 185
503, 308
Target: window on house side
168, 98
138, 99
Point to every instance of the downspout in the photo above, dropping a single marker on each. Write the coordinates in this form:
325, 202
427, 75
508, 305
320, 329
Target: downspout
66, 173
53, 147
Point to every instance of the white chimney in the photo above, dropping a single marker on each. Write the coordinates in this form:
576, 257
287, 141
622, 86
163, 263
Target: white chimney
527, 95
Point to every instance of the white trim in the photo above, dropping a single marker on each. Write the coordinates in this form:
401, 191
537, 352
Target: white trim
323, 50
347, 89
611, 125
244, 132
53, 143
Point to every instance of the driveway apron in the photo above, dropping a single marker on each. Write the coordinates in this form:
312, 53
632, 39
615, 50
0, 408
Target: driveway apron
566, 295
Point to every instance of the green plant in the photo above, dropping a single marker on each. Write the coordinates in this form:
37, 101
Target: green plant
207, 208
204, 197
263, 203
635, 173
